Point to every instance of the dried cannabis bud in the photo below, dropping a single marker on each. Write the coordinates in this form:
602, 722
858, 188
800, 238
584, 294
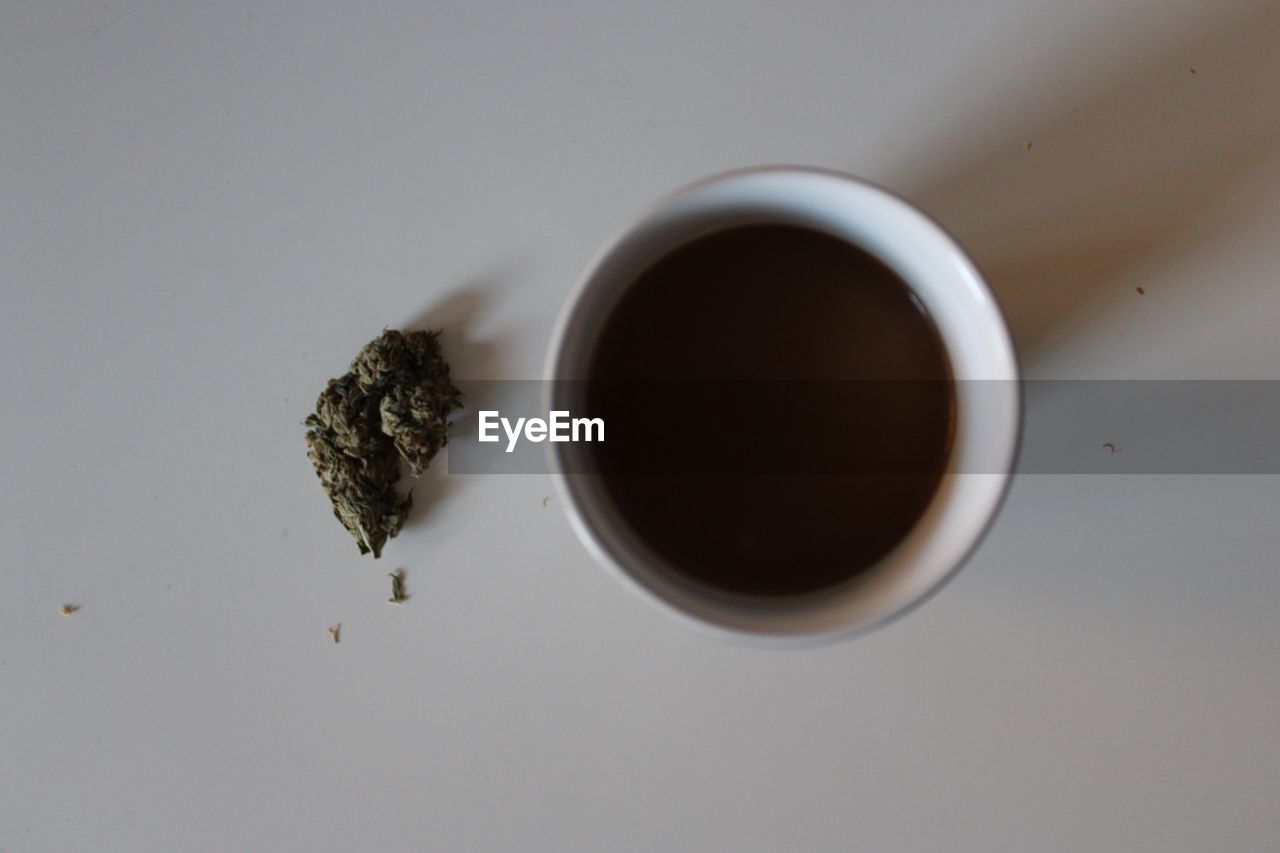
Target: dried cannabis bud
392, 405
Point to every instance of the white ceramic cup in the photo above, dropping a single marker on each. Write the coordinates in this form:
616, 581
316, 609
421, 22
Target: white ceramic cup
988, 413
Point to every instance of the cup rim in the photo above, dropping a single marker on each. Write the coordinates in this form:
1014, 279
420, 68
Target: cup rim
744, 628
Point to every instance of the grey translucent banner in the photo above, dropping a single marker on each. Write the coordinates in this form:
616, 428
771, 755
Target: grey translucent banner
1069, 426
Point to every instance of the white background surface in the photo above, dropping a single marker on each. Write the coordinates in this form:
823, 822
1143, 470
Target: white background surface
205, 210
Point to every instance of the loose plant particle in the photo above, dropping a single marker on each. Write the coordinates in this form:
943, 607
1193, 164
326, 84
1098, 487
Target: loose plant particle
398, 595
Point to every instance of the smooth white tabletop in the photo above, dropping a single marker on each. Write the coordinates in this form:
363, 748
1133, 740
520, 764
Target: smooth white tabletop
207, 208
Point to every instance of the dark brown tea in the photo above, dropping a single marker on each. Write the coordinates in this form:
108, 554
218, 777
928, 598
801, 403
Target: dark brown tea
779, 408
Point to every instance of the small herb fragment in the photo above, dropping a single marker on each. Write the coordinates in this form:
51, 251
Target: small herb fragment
68, 609
398, 595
